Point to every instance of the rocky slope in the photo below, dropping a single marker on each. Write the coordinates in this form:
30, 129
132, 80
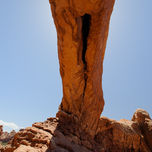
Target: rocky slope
112, 136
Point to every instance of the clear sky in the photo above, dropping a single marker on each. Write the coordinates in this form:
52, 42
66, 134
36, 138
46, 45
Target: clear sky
30, 84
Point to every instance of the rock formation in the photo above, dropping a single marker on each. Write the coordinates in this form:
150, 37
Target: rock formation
82, 30
1, 130
5, 137
112, 136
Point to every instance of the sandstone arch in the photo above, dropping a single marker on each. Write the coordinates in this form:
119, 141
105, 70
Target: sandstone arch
82, 31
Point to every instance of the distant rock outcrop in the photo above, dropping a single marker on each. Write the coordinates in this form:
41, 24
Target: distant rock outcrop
1, 130
5, 137
82, 30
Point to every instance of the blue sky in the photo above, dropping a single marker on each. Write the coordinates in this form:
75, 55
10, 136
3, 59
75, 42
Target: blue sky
30, 84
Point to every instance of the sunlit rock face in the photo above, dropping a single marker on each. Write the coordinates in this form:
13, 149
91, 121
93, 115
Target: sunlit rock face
81, 7
82, 29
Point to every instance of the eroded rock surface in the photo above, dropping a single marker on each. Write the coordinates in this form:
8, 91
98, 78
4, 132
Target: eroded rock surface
145, 123
1, 130
112, 136
82, 30
5, 137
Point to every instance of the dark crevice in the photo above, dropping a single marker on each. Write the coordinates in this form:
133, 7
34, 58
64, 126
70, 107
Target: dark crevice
86, 20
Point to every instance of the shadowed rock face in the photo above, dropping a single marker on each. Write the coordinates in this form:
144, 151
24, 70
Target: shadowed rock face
82, 30
1, 130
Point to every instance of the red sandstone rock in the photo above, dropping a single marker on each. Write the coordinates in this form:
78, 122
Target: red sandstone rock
82, 29
145, 123
111, 136
1, 130
6, 137
123, 135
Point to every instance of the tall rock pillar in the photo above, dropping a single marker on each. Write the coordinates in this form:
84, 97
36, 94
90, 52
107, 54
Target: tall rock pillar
82, 30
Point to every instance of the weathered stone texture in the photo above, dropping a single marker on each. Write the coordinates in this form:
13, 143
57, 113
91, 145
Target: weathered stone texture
111, 136
82, 29
1, 130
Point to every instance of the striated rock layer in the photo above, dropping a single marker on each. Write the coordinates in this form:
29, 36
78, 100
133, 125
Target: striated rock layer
112, 136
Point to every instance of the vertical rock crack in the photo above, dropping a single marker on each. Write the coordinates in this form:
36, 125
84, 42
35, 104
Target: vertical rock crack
86, 19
